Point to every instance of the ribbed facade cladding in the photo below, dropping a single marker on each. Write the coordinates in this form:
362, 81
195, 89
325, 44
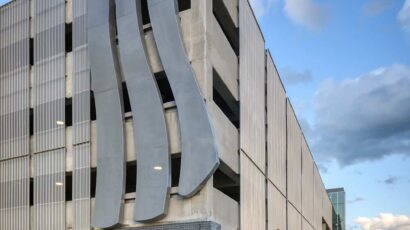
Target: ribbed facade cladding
81, 82
48, 156
49, 74
49, 159
81, 187
14, 80
49, 190
14, 194
81, 130
14, 116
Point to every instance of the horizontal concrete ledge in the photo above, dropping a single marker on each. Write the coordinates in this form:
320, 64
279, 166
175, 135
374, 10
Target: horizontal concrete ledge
199, 225
226, 134
209, 205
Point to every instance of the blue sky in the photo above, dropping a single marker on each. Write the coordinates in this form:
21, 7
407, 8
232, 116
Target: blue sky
346, 68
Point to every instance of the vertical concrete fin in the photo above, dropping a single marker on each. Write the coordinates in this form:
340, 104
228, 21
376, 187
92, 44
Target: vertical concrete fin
199, 152
150, 132
106, 83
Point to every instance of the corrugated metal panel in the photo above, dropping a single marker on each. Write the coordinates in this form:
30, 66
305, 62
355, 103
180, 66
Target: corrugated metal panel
81, 187
318, 200
14, 116
252, 85
81, 74
49, 114
253, 210
14, 194
14, 80
49, 74
307, 183
276, 208
81, 119
49, 190
276, 120
294, 158
294, 218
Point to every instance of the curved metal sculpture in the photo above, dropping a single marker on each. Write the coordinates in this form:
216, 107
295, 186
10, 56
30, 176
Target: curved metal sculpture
150, 131
106, 83
200, 157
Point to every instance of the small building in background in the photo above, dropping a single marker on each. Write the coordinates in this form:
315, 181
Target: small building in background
338, 198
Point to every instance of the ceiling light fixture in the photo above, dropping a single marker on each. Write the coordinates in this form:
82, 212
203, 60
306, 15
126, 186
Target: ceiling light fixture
60, 122
158, 168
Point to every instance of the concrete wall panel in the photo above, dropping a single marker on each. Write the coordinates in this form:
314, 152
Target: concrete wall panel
252, 84
227, 137
307, 183
318, 199
294, 218
225, 210
306, 225
294, 158
253, 210
232, 7
276, 121
276, 208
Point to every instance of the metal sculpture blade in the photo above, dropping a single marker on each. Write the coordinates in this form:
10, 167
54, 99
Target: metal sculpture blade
106, 83
200, 157
150, 131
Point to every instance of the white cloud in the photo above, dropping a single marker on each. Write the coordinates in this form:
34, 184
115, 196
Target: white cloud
364, 118
384, 221
261, 7
307, 13
404, 16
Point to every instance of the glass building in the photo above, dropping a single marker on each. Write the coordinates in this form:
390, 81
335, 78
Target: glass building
338, 198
